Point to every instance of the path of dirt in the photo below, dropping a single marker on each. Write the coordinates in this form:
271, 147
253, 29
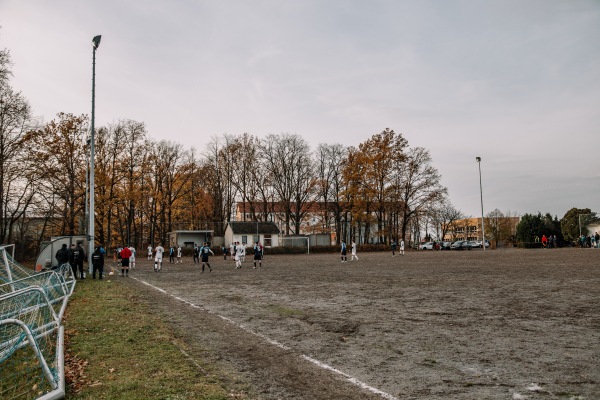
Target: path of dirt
505, 324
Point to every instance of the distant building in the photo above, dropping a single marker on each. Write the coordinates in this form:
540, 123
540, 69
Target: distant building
470, 229
189, 238
266, 233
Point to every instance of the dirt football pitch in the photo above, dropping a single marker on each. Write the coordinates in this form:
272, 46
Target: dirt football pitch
499, 324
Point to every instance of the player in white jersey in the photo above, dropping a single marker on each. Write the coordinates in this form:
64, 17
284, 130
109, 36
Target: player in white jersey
132, 258
149, 252
179, 255
239, 251
158, 258
354, 251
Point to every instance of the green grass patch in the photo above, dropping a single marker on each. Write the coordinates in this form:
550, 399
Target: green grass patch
117, 348
285, 311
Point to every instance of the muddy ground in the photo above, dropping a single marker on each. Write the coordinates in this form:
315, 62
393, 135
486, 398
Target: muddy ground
500, 324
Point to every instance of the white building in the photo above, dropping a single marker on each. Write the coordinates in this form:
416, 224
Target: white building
266, 233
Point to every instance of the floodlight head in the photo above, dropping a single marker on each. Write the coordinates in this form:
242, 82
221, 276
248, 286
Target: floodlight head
96, 41
478, 159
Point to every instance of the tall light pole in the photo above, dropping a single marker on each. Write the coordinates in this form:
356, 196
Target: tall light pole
91, 242
481, 194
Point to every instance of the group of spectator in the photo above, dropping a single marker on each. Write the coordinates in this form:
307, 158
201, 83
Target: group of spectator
75, 256
548, 242
590, 241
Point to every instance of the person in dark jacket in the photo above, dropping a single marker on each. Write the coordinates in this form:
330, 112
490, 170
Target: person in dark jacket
77, 256
62, 255
98, 263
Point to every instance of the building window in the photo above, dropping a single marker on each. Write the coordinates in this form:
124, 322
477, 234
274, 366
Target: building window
256, 238
244, 239
268, 240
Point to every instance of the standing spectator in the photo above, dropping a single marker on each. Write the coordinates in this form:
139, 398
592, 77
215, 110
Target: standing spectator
544, 241
402, 247
343, 252
132, 258
555, 242
179, 260
353, 252
196, 254
125, 254
118, 252
158, 258
393, 248
224, 250
62, 255
550, 242
205, 251
257, 255
149, 252
171, 255
97, 263
78, 255
597, 237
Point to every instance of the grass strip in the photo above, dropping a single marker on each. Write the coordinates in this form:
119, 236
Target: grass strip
117, 348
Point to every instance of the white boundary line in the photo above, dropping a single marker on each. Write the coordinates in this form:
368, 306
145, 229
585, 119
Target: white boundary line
318, 363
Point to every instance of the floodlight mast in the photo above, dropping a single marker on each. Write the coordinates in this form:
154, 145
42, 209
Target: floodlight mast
91, 240
478, 159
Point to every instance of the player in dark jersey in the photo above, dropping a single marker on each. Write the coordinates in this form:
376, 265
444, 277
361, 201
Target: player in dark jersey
257, 255
205, 251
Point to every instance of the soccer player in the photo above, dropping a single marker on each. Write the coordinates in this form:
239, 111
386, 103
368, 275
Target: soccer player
238, 256
205, 251
171, 255
243, 252
344, 256
149, 252
401, 247
354, 251
158, 258
196, 254
132, 258
179, 255
257, 255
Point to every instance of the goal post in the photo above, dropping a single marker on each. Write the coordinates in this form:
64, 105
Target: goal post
297, 241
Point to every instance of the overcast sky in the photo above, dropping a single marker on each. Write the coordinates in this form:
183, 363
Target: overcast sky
514, 82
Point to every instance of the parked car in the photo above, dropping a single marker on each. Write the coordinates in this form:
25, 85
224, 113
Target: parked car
461, 245
477, 244
456, 245
426, 246
446, 246
474, 244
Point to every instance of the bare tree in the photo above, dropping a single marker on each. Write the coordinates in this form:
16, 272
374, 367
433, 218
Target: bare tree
18, 175
419, 184
219, 170
330, 160
288, 158
444, 214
